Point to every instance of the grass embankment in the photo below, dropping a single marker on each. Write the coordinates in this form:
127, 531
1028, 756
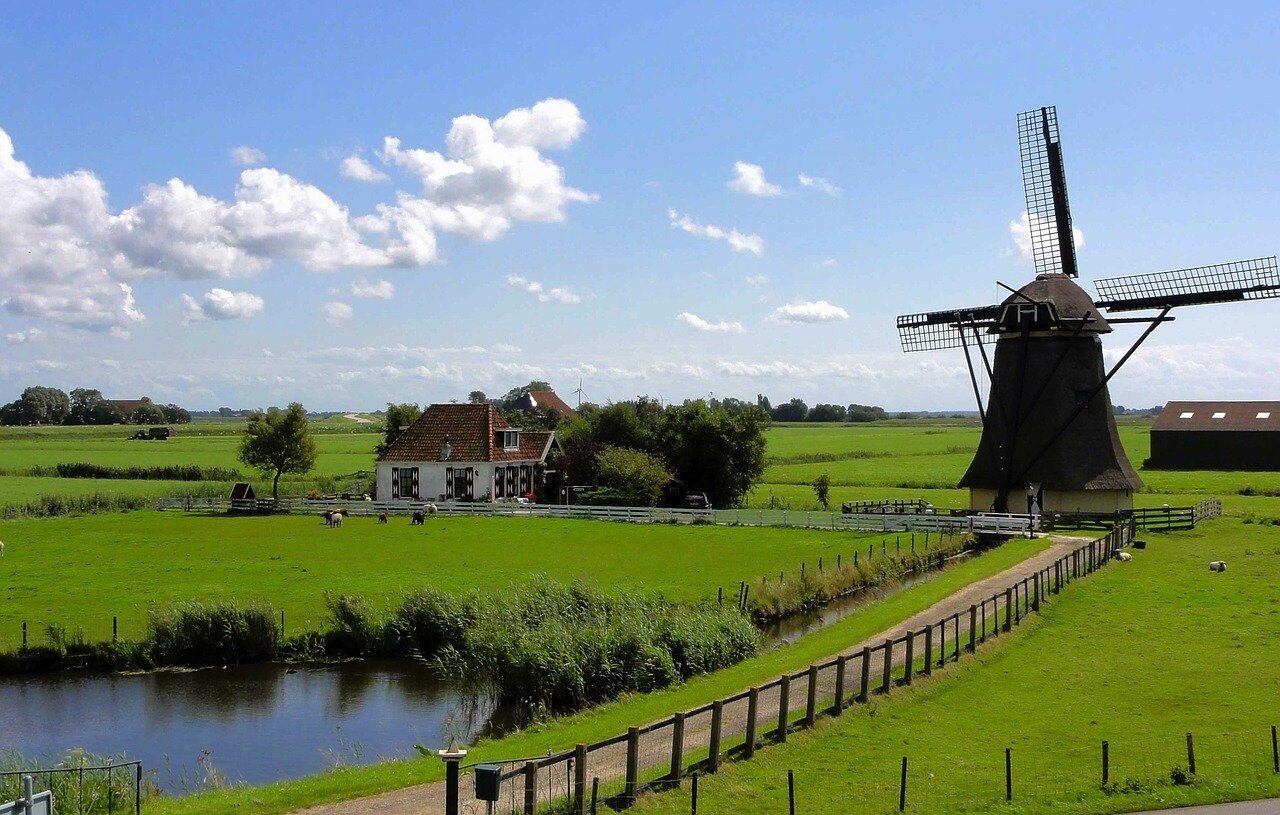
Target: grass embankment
79, 572
613, 718
1138, 655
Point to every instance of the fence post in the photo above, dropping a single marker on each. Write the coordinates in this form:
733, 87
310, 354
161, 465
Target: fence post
902, 787
1017, 602
1106, 764
115, 627
1057, 576
580, 779
955, 641
713, 746
888, 666
865, 689
911, 657
942, 643
791, 792
1275, 750
811, 703
1191, 754
928, 650
753, 707
1035, 603
840, 665
784, 703
693, 795
137, 788
1008, 774
983, 607
973, 625
530, 788
1008, 608
24, 635
677, 748
633, 765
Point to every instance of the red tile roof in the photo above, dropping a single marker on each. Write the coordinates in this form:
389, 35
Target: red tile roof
470, 431
1230, 416
548, 400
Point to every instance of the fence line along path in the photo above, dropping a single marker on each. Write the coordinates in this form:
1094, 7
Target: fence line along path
745, 720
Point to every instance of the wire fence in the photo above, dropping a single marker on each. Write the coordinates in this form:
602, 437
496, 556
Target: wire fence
1033, 775
662, 753
83, 790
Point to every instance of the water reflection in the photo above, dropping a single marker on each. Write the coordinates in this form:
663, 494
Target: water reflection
260, 722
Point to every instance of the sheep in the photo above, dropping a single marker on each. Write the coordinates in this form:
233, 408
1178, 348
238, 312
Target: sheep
1, 548
382, 517
431, 508
1218, 566
418, 518
1124, 557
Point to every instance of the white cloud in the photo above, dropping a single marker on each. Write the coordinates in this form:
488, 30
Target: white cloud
247, 156
29, 335
749, 179
65, 256
336, 312
806, 311
491, 175
374, 289
820, 184
757, 280
696, 322
544, 294
829, 263
220, 304
1020, 231
361, 170
738, 241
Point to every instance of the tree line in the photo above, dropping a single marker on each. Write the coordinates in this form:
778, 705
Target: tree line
39, 405
796, 410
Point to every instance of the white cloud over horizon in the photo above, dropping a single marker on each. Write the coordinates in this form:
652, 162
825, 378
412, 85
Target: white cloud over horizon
357, 168
221, 304
699, 324
749, 179
820, 184
738, 241
246, 155
808, 311
372, 289
336, 312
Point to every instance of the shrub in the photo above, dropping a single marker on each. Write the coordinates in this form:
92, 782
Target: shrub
51, 506
170, 472
217, 633
354, 627
430, 619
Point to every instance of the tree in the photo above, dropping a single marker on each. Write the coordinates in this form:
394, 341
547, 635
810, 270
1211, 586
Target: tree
866, 413
794, 411
147, 413
822, 489
398, 418
715, 451
477, 398
827, 413
636, 478
279, 442
37, 405
176, 415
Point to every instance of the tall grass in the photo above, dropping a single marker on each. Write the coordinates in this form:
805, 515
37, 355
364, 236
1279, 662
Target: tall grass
51, 506
212, 634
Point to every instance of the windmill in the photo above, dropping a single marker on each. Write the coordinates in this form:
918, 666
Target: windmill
578, 392
1047, 426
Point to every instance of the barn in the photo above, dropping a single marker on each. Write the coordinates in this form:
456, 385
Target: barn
1216, 436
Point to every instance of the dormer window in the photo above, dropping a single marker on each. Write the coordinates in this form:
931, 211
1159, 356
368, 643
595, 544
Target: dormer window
1187, 415
507, 439
1220, 415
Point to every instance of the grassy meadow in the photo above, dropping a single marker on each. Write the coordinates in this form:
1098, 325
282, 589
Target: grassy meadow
1138, 655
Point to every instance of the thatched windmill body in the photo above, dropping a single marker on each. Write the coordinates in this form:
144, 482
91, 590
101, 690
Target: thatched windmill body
1049, 433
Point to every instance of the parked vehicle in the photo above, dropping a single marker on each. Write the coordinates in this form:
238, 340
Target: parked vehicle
696, 500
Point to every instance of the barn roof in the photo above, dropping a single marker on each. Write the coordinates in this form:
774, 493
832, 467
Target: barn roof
470, 431
1210, 416
547, 400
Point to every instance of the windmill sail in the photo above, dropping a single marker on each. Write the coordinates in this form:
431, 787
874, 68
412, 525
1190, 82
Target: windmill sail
1255, 279
1053, 246
937, 330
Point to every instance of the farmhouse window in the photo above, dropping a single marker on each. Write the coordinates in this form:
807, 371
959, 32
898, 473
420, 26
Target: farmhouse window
507, 439
406, 483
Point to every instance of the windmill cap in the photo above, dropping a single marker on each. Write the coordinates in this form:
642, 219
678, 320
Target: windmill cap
1068, 299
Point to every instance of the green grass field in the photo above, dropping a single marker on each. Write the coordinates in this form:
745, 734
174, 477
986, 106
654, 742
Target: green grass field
1138, 655
79, 572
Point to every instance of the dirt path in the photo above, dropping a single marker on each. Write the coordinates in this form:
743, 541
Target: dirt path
609, 764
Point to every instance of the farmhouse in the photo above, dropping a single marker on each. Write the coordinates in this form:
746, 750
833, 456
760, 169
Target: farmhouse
1216, 436
464, 453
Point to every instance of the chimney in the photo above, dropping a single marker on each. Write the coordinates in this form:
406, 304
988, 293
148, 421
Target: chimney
445, 449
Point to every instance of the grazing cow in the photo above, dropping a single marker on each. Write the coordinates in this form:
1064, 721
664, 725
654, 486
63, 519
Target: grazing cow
1124, 557
382, 517
418, 518
1218, 566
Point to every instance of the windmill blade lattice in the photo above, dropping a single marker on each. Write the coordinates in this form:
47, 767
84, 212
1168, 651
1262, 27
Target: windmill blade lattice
1254, 279
1053, 245
936, 330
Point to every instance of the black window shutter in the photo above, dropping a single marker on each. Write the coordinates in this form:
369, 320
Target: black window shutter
395, 482
448, 483
416, 493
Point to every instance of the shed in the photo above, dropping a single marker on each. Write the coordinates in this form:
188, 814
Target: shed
1216, 436
243, 491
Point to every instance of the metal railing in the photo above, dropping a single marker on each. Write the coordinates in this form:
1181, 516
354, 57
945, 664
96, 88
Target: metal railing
83, 790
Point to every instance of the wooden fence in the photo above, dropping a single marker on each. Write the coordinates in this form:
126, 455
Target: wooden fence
660, 754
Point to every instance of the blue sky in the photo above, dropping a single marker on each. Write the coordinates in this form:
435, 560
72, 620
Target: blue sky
1168, 124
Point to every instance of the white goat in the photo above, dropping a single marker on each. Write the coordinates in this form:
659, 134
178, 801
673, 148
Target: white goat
1124, 556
